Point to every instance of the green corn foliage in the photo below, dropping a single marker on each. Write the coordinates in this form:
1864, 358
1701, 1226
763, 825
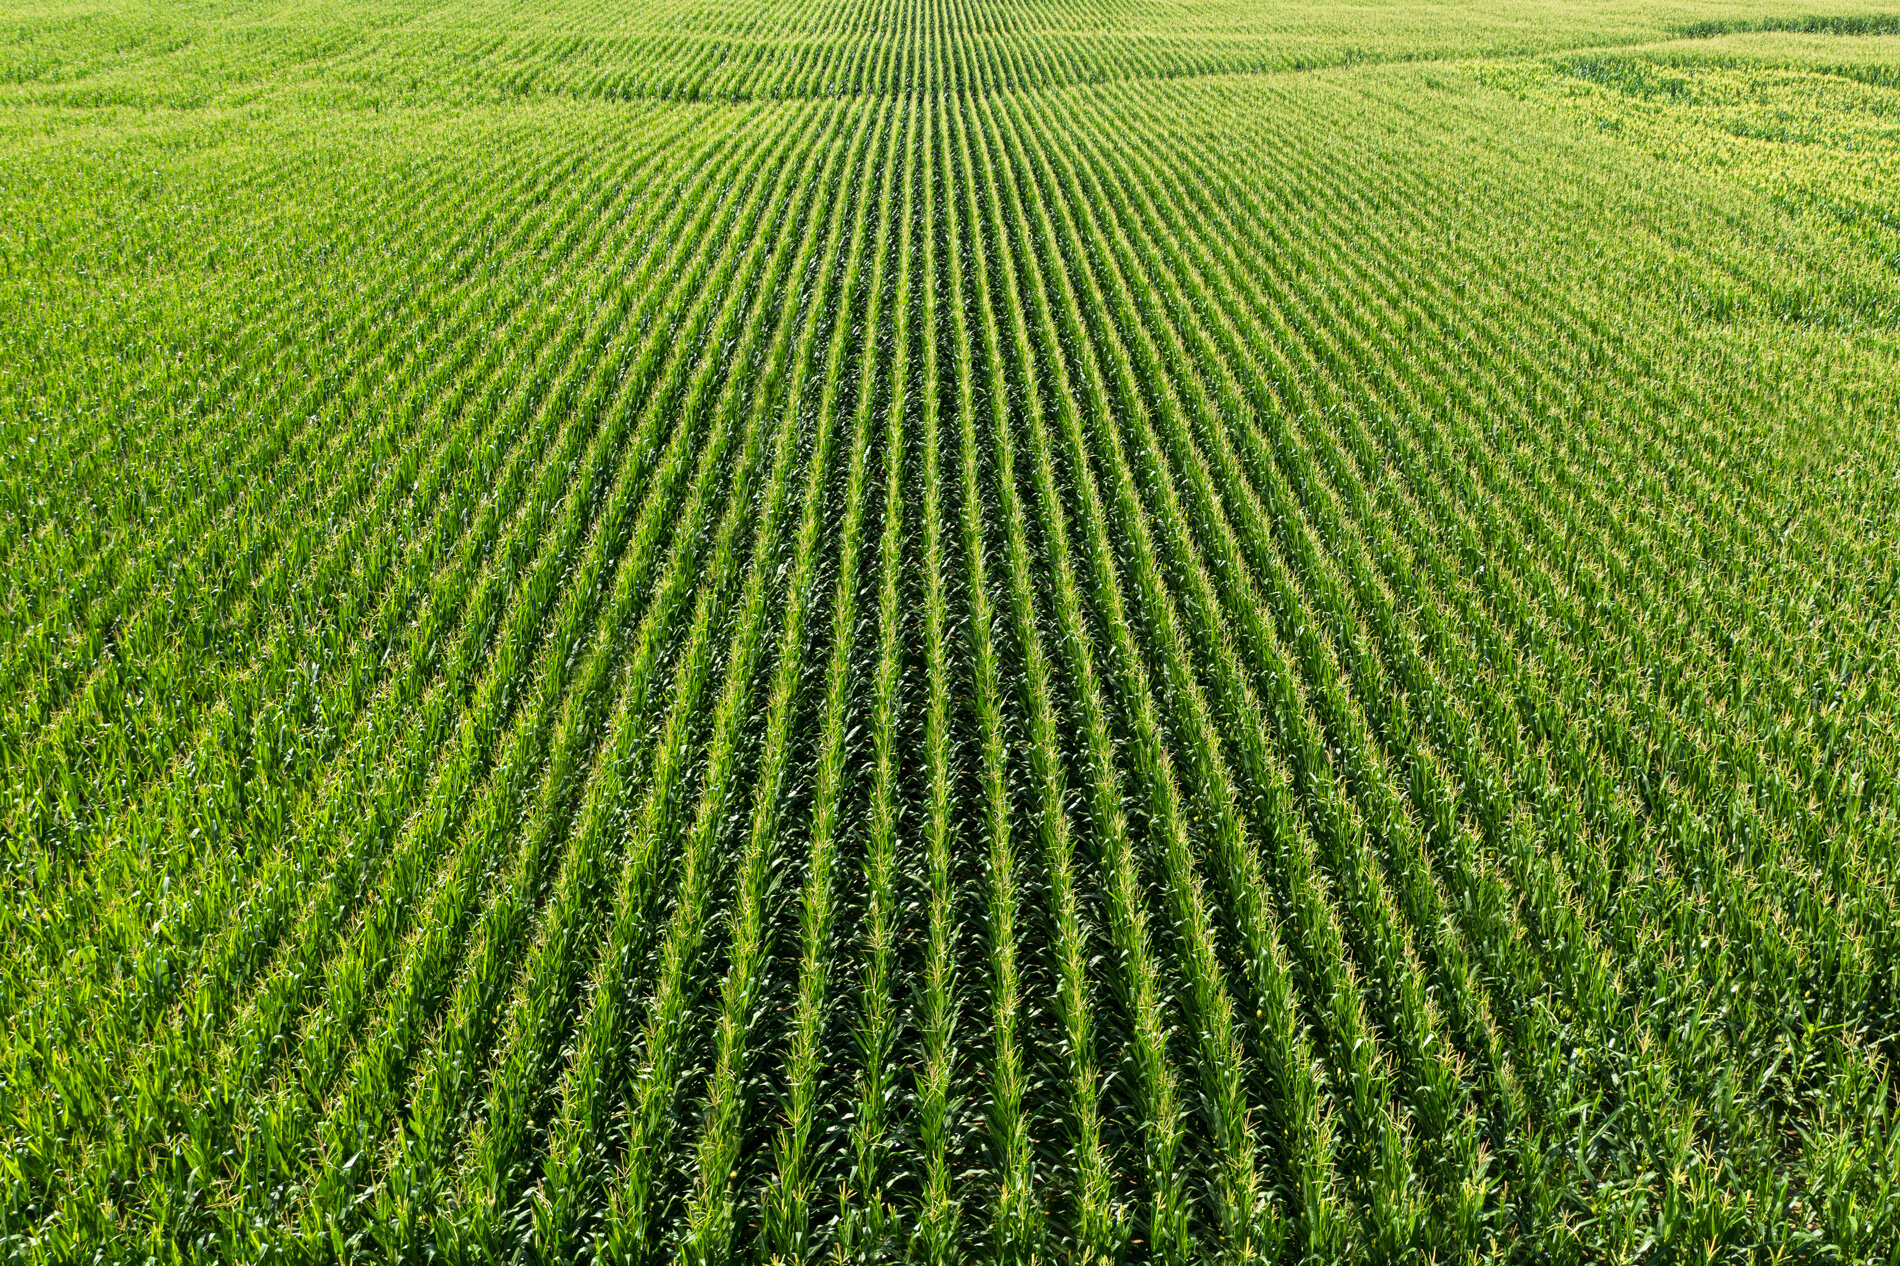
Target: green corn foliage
908, 630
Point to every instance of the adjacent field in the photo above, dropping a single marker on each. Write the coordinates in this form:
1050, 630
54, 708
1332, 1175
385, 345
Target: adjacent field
860, 630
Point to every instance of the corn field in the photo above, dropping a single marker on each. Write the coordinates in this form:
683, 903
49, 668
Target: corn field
949, 630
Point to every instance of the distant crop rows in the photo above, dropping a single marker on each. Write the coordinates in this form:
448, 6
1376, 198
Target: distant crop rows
1135, 672
736, 50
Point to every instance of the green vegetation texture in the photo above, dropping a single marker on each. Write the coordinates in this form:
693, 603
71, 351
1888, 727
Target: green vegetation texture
949, 631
